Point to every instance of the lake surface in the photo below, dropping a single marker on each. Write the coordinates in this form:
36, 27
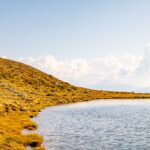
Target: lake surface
97, 125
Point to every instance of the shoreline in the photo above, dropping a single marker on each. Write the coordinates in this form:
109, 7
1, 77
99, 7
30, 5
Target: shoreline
83, 102
74, 103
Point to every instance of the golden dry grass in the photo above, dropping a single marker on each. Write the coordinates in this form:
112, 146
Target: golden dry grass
24, 91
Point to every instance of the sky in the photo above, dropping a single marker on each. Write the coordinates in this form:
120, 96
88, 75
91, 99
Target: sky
102, 44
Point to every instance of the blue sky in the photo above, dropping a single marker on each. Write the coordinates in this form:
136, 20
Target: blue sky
74, 29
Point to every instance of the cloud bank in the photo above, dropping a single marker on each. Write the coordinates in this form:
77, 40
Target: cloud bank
110, 72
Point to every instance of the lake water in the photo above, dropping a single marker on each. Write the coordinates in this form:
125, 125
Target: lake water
97, 125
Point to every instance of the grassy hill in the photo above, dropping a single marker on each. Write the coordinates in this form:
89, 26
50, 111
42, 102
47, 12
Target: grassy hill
24, 91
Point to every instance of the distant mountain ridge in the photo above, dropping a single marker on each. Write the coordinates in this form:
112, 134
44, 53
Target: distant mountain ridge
121, 87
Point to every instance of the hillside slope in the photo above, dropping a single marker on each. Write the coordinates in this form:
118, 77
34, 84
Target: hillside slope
24, 91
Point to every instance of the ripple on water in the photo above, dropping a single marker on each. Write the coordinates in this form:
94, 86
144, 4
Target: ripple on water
97, 125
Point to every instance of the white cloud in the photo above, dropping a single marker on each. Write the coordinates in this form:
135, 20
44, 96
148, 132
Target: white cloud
125, 69
4, 57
